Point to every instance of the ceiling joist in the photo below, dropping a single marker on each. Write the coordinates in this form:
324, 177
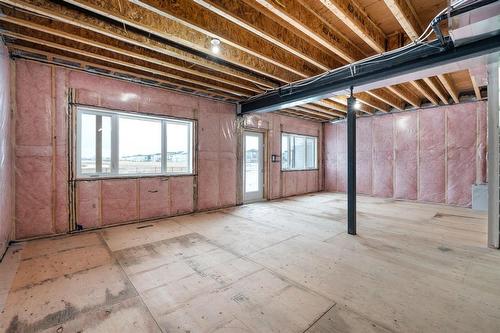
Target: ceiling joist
264, 44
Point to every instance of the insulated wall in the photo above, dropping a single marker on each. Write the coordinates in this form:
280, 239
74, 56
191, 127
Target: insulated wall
430, 155
287, 183
41, 170
41, 165
6, 160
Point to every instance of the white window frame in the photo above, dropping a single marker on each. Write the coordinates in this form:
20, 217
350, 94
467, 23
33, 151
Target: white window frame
291, 152
115, 155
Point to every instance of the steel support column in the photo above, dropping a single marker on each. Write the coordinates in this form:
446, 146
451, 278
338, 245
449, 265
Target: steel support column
351, 165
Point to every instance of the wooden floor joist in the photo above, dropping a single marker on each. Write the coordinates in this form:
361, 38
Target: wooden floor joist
369, 100
332, 105
261, 25
318, 108
387, 98
477, 91
436, 88
161, 26
406, 95
69, 16
448, 85
424, 90
355, 18
113, 60
303, 20
137, 55
264, 43
134, 74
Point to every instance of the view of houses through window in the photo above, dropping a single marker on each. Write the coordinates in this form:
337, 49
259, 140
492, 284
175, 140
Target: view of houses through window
112, 143
298, 152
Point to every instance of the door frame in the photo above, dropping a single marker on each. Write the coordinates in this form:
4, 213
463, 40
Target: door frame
241, 161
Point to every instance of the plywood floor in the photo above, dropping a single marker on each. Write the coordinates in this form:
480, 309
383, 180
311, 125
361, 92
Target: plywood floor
283, 266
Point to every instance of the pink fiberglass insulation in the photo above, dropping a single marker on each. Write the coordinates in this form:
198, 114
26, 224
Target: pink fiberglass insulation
405, 149
301, 182
119, 201
216, 156
312, 181
208, 179
330, 158
432, 155
383, 156
6, 156
461, 153
61, 153
88, 205
341, 147
275, 168
42, 165
181, 197
364, 155
481, 174
290, 182
33, 193
227, 156
34, 159
154, 199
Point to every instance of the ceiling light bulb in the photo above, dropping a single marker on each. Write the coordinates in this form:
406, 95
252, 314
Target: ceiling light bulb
215, 45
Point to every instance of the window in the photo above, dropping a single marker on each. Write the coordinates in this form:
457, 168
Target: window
121, 144
298, 152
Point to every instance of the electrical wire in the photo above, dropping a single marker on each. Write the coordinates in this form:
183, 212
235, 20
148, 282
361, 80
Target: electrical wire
407, 49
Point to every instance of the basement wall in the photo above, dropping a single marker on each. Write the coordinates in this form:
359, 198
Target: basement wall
429, 155
287, 183
41, 173
6, 160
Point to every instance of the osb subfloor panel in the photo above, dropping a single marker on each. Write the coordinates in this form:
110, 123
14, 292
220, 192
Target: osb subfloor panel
282, 266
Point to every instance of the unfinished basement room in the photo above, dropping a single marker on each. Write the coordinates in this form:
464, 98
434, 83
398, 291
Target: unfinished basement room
249, 166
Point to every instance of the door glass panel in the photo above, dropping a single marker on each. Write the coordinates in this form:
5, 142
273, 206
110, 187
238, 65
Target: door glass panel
251, 163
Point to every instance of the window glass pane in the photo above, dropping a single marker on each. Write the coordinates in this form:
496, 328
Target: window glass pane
87, 144
299, 152
139, 146
179, 147
95, 144
285, 152
311, 153
251, 163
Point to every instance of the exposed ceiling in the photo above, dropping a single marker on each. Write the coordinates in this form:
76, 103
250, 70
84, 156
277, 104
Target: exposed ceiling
263, 45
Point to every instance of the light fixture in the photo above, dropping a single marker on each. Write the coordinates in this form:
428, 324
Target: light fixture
125, 97
357, 105
215, 45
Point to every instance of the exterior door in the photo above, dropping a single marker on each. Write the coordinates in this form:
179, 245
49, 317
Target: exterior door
253, 166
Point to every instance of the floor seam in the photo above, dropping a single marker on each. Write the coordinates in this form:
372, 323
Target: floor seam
319, 318
130, 282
